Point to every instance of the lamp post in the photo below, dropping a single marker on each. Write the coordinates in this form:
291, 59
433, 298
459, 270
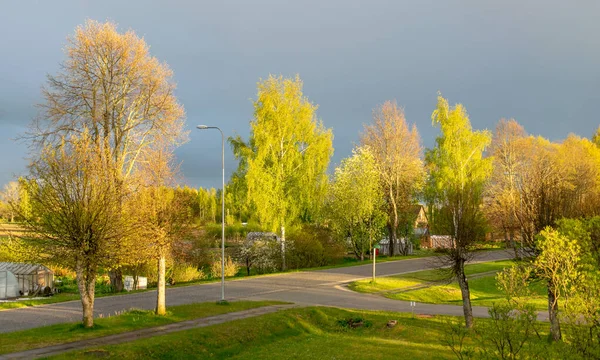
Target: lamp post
203, 127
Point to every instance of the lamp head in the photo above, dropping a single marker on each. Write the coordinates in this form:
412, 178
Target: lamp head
201, 127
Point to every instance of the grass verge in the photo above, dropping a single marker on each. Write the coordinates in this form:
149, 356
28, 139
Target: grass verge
305, 333
429, 289
128, 321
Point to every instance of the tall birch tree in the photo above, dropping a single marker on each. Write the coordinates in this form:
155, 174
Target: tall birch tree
355, 202
457, 174
287, 155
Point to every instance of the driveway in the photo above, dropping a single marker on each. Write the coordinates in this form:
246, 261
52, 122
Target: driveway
319, 287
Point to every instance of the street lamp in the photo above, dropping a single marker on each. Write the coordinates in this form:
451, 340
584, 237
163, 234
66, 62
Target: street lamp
203, 127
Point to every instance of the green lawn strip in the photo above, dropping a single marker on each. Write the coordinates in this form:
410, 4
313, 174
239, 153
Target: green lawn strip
425, 277
382, 284
348, 262
35, 302
483, 289
484, 292
301, 333
128, 321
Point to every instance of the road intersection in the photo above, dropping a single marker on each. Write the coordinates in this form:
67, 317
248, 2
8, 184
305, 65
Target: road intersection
314, 288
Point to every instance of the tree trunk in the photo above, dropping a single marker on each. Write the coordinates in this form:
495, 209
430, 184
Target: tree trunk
135, 278
392, 238
511, 236
283, 267
466, 294
161, 309
86, 283
553, 314
116, 279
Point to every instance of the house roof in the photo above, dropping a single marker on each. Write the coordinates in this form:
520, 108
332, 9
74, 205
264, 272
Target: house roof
23, 269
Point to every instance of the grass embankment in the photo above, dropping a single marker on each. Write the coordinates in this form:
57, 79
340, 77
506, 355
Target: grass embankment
429, 287
128, 321
306, 333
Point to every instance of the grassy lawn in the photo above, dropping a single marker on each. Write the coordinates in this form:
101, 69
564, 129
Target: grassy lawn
399, 282
34, 302
483, 289
484, 292
306, 333
129, 321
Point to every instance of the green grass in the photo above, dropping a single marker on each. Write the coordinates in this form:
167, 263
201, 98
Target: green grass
484, 292
128, 321
346, 262
424, 277
35, 302
483, 289
306, 333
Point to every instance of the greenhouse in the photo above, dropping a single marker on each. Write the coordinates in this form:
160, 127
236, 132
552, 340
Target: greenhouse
30, 279
8, 285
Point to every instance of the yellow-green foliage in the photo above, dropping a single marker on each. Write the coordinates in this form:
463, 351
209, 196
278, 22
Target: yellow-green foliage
290, 153
231, 268
185, 273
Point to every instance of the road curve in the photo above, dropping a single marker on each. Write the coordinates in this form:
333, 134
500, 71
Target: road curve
318, 287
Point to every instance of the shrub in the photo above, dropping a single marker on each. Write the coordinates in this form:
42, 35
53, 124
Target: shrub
313, 246
184, 273
231, 268
264, 256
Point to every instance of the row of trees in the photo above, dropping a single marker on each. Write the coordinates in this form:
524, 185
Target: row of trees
99, 192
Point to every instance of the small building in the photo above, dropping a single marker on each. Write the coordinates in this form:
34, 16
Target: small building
31, 278
399, 245
131, 283
437, 242
8, 285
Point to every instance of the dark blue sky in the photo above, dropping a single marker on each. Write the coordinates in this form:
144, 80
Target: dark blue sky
536, 61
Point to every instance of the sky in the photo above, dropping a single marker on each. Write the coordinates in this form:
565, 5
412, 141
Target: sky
535, 61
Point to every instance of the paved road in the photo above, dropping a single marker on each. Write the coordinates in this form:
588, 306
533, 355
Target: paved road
320, 287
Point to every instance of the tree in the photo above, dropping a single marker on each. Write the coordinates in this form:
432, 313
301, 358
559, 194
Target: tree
161, 213
558, 263
502, 199
287, 155
10, 199
110, 85
76, 219
110, 89
457, 174
355, 201
398, 153
596, 137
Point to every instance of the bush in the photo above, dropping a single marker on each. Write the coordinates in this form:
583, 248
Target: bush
66, 284
184, 273
231, 268
236, 232
313, 246
103, 285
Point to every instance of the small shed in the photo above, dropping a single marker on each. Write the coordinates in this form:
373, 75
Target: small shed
398, 245
9, 287
437, 242
31, 278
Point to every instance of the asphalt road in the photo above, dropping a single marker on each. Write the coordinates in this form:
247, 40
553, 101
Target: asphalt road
319, 287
